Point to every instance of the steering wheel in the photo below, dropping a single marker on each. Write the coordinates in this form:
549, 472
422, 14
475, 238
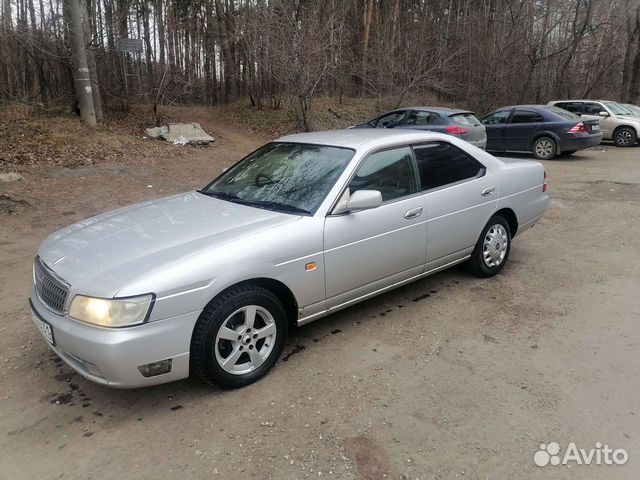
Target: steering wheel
263, 179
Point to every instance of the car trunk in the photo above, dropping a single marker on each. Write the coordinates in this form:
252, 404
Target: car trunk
468, 121
592, 126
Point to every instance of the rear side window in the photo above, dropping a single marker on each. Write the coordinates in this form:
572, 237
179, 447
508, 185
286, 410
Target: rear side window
526, 116
573, 107
465, 119
441, 164
415, 117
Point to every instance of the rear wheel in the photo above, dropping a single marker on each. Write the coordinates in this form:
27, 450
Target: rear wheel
492, 248
625, 137
238, 337
544, 148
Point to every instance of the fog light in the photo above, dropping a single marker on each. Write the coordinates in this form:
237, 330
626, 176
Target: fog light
93, 370
156, 368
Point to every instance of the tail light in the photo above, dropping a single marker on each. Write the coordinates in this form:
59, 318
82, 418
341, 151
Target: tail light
455, 130
544, 182
577, 128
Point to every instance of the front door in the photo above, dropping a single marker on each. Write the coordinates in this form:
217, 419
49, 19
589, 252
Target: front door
495, 125
368, 250
592, 112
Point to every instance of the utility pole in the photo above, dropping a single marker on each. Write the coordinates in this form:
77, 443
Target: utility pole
81, 76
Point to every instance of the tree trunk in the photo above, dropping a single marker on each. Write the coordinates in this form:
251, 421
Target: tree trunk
82, 81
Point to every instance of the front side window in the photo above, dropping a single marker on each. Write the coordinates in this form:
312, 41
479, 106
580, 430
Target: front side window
287, 177
441, 164
390, 172
496, 118
526, 116
389, 121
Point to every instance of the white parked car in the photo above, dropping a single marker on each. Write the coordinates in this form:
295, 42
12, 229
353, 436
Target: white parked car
208, 282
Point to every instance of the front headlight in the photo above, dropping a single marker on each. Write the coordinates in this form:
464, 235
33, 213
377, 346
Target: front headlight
111, 312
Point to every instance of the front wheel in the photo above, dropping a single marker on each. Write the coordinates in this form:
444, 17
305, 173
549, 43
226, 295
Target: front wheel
492, 248
238, 337
625, 137
544, 148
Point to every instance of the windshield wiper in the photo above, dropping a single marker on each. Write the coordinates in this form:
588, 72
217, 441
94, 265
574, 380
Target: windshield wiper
270, 205
223, 195
275, 206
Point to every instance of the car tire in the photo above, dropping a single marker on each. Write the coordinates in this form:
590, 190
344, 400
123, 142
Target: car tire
544, 148
492, 248
625, 137
238, 337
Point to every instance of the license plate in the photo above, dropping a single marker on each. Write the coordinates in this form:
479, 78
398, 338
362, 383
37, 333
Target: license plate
44, 327
595, 128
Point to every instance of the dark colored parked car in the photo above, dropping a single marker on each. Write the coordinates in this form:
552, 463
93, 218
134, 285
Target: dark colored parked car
546, 131
459, 123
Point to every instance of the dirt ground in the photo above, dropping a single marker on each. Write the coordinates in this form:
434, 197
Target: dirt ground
449, 377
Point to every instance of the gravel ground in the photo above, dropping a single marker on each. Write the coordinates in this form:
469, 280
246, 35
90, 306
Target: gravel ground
449, 377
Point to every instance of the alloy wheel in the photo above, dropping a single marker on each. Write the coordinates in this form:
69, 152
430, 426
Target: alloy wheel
624, 138
245, 340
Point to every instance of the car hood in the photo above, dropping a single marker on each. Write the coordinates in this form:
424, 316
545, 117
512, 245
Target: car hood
113, 248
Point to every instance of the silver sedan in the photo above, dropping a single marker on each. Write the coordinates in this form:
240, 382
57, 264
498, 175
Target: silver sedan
208, 282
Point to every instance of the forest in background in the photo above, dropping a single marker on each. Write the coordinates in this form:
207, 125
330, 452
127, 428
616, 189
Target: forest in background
276, 53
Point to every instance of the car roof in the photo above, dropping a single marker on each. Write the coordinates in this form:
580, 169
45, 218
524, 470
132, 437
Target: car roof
442, 110
523, 106
583, 100
360, 138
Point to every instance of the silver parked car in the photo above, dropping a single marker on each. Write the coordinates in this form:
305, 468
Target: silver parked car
208, 282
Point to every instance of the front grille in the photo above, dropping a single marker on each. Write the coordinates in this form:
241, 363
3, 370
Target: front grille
50, 290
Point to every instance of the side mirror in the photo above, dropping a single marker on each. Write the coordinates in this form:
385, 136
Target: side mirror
361, 200
603, 114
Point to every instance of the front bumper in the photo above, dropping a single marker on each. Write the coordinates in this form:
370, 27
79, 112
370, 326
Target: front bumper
111, 356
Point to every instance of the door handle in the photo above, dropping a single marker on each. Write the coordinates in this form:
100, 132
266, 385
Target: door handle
413, 213
488, 191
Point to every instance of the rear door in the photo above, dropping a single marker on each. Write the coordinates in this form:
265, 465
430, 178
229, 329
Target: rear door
460, 194
495, 124
573, 107
522, 126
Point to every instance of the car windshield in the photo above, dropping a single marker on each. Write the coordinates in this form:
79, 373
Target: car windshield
563, 113
617, 109
633, 108
286, 177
